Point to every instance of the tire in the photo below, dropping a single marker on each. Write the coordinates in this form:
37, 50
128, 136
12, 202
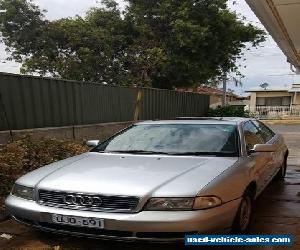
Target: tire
244, 214
282, 172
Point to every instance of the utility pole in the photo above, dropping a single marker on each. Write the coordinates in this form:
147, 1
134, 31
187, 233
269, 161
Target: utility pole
224, 97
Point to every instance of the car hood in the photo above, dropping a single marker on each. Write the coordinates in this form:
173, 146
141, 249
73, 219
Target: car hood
130, 175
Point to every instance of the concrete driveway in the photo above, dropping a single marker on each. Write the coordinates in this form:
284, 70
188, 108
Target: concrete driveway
277, 211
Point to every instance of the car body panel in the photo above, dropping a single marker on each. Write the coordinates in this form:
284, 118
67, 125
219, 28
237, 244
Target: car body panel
33, 178
117, 174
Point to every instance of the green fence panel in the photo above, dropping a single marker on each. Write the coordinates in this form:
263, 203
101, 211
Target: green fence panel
33, 102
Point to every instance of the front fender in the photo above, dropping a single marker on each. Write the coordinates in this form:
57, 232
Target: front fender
231, 184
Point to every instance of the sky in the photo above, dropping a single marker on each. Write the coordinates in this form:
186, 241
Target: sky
265, 64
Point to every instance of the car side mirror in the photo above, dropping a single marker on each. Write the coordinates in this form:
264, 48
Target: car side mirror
92, 143
263, 148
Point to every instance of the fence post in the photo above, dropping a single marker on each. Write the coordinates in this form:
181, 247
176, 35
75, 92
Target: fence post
6, 118
138, 105
75, 111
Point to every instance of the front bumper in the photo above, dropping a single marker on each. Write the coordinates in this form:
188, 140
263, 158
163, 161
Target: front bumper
145, 225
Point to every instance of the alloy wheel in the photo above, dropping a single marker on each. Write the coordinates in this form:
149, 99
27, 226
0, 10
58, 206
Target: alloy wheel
245, 213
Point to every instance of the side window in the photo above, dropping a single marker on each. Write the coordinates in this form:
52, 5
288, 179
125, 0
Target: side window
252, 135
267, 133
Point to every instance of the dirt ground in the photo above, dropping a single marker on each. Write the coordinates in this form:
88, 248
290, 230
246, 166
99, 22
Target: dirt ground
277, 211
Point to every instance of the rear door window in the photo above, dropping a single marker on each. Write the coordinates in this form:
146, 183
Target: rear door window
252, 135
266, 133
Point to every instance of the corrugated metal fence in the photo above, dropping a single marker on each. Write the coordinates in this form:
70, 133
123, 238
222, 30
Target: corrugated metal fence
34, 102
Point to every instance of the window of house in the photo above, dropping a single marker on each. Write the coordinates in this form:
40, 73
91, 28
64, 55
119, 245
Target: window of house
286, 101
273, 101
260, 101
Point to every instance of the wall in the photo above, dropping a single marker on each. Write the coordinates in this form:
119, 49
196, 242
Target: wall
253, 99
214, 99
79, 133
273, 94
296, 99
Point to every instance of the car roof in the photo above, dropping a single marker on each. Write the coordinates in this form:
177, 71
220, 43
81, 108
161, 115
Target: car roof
199, 120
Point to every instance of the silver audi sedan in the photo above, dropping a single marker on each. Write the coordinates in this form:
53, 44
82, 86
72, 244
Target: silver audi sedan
156, 181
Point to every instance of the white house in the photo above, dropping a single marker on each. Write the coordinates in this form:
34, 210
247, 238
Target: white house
275, 102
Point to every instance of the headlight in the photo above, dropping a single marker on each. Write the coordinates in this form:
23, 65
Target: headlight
206, 202
173, 204
182, 204
23, 192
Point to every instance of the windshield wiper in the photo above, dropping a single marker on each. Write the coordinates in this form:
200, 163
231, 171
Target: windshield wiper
145, 152
206, 153
137, 152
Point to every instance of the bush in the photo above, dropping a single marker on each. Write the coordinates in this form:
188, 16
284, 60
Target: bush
229, 111
22, 156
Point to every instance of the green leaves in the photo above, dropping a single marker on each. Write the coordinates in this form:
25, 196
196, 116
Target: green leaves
228, 111
201, 39
159, 43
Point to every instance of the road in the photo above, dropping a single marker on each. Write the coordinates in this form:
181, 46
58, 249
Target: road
277, 211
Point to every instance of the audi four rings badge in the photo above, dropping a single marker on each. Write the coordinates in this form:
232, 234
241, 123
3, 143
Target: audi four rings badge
82, 200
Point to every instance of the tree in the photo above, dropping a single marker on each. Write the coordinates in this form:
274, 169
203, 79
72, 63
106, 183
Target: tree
198, 40
159, 43
21, 24
88, 49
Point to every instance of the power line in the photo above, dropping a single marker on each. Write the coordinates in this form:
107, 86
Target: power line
284, 75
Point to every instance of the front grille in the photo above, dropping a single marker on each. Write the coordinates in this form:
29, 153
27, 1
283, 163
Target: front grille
57, 199
115, 233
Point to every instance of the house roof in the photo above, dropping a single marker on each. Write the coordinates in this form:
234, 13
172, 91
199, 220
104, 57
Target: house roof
295, 88
259, 89
206, 90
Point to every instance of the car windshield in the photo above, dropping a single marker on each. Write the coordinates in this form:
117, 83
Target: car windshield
175, 139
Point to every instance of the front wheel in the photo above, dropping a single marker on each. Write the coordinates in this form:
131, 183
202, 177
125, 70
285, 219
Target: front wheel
243, 216
282, 172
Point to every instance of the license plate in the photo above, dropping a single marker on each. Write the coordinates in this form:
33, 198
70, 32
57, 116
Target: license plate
78, 221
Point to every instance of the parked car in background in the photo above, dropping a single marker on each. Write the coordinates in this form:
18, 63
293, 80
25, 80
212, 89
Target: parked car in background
156, 181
